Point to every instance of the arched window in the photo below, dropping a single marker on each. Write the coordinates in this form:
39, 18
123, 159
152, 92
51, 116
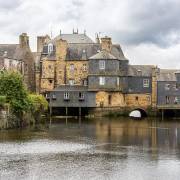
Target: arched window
50, 48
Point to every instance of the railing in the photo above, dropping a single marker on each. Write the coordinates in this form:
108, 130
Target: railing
169, 106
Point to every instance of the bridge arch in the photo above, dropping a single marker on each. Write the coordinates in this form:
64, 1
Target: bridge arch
143, 112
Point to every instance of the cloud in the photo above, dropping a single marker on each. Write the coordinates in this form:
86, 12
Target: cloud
149, 25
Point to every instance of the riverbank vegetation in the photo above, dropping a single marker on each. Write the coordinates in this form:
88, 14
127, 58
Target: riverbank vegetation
22, 105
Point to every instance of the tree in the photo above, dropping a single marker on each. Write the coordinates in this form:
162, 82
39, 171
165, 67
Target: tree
38, 104
12, 86
2, 101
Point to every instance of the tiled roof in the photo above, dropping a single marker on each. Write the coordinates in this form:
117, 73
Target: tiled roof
12, 51
73, 38
140, 70
167, 75
103, 55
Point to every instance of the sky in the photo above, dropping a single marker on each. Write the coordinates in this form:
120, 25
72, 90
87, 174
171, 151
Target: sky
147, 30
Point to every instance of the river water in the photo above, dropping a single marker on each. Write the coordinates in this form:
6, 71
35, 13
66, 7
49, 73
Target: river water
92, 149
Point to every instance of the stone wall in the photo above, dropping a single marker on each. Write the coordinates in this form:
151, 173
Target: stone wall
138, 100
47, 76
79, 73
109, 99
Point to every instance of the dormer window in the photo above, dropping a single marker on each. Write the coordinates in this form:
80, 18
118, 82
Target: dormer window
50, 48
139, 72
101, 64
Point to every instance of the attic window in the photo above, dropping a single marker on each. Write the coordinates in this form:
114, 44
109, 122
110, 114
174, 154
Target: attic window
167, 87
139, 72
50, 48
101, 64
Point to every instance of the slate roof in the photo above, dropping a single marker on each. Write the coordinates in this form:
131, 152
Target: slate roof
81, 51
145, 70
73, 38
167, 75
13, 51
103, 55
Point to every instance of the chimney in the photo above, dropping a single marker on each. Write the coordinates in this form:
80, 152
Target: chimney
97, 39
61, 49
41, 40
24, 40
106, 43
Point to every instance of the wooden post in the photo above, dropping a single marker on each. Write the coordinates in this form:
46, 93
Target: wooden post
66, 115
50, 108
162, 114
79, 115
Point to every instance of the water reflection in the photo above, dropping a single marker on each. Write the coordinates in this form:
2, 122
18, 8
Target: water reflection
92, 149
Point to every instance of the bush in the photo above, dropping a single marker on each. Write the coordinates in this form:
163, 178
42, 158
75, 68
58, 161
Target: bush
12, 86
37, 102
2, 101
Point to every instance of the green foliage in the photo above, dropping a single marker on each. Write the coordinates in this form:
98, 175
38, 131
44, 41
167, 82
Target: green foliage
12, 86
2, 101
38, 103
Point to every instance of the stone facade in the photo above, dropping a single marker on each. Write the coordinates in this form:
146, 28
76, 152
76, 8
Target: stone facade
72, 63
19, 57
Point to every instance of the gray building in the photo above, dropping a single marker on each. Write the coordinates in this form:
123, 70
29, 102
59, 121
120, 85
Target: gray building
168, 88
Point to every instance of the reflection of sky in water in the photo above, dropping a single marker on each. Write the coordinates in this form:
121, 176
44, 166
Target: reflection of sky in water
95, 150
40, 147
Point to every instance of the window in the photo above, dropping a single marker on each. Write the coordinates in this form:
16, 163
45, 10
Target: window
84, 67
81, 96
66, 96
167, 87
54, 97
109, 99
47, 96
50, 81
101, 64
139, 72
137, 98
118, 81
102, 81
167, 99
71, 67
71, 82
84, 82
176, 100
175, 87
50, 48
146, 83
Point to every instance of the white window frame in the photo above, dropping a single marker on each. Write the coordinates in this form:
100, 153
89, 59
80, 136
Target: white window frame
84, 67
102, 81
85, 82
71, 82
167, 87
102, 64
118, 81
50, 48
146, 83
72, 67
66, 95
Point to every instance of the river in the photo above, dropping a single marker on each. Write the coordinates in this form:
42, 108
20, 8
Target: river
92, 149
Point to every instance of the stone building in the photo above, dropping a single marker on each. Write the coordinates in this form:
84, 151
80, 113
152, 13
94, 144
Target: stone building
18, 57
75, 71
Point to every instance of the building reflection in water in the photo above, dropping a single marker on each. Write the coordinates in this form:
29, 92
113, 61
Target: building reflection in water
152, 135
